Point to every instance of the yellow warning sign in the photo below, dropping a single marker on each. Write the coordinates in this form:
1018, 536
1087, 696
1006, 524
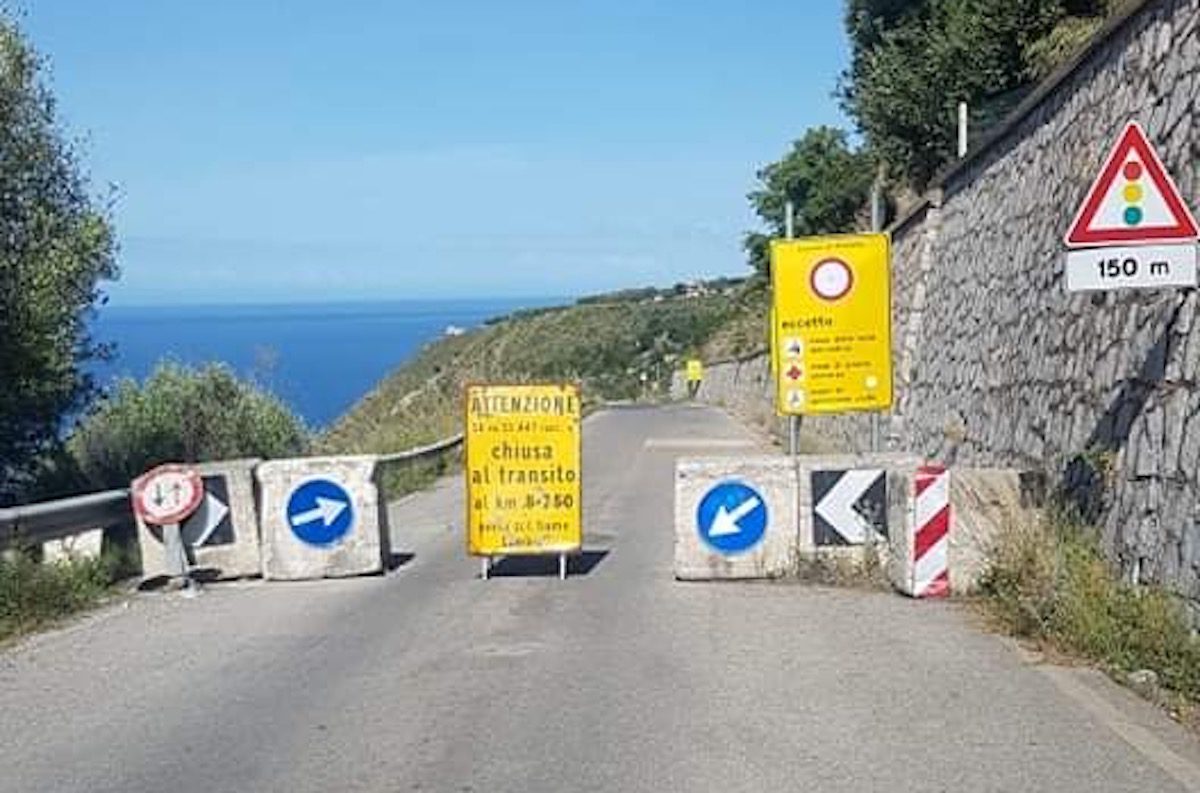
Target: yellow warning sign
695, 371
831, 324
523, 474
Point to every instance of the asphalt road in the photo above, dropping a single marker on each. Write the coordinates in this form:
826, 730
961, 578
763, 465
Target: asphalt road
618, 679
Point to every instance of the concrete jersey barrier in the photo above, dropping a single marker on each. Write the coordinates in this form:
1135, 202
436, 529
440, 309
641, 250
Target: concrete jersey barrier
222, 538
322, 517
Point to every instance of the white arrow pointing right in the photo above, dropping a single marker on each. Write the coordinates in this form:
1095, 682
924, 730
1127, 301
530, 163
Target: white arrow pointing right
211, 513
326, 511
725, 522
837, 507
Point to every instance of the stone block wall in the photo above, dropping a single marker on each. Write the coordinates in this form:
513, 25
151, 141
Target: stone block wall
997, 365
1099, 390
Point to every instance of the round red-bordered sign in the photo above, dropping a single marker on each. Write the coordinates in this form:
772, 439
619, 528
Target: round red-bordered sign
167, 494
831, 279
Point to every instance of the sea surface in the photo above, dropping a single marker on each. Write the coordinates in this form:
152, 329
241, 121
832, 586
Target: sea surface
320, 358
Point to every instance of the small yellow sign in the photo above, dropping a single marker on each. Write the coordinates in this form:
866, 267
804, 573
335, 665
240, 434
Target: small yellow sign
523, 461
831, 325
695, 371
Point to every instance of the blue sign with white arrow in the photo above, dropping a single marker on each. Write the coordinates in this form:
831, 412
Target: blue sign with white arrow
732, 518
320, 512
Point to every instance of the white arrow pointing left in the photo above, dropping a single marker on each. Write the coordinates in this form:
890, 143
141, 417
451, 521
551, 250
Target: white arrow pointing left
837, 506
326, 511
725, 522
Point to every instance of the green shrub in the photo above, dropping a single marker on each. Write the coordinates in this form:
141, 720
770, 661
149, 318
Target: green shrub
184, 415
33, 595
1050, 582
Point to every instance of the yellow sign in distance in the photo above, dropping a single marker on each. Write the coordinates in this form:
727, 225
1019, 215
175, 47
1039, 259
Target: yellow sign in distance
695, 371
523, 469
831, 324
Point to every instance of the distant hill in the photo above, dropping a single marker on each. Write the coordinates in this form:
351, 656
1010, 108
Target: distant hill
607, 342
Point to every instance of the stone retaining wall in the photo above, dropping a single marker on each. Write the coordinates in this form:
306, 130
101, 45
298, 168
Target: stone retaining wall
996, 365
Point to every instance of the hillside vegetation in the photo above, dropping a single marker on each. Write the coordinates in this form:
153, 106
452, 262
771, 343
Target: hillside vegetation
607, 343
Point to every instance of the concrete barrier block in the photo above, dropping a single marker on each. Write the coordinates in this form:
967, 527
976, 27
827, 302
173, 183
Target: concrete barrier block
78, 547
986, 502
983, 503
852, 505
735, 518
322, 517
222, 536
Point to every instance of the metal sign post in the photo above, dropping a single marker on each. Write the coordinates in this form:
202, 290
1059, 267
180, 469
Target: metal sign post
877, 210
789, 223
175, 555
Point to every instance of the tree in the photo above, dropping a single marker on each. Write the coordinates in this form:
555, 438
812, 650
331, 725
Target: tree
179, 415
827, 182
56, 246
913, 61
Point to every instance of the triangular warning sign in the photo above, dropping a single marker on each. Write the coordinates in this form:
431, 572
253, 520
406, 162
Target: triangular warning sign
1133, 200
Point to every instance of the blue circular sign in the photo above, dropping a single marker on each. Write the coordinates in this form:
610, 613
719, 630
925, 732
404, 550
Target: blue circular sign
320, 512
732, 518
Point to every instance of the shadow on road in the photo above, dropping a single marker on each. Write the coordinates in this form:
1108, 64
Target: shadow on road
535, 566
398, 560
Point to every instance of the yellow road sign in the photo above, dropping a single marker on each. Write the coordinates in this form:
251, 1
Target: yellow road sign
523, 474
695, 371
831, 325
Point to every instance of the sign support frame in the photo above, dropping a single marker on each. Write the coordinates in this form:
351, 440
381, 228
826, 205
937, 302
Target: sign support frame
794, 421
877, 209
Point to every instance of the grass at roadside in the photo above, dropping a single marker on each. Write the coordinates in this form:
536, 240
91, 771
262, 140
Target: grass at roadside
35, 595
1049, 582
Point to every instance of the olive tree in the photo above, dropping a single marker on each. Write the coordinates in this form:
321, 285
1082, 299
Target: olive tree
56, 247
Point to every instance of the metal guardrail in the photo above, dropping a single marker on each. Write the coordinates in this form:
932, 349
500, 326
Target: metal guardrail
421, 452
34, 524
54, 520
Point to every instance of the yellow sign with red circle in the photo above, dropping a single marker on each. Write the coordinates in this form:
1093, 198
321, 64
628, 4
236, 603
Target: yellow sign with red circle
831, 324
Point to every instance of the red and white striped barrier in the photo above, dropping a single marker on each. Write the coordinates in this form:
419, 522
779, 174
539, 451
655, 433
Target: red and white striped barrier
931, 527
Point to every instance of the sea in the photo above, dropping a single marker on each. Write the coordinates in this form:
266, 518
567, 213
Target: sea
319, 358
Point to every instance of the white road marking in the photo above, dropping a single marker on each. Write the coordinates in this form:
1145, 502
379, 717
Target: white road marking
676, 444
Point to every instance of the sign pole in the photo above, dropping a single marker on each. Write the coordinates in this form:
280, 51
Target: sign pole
562, 567
877, 209
175, 557
485, 567
789, 232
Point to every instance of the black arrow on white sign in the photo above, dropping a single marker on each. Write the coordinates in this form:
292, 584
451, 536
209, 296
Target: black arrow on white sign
848, 506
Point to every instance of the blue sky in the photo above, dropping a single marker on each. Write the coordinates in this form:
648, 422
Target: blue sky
297, 151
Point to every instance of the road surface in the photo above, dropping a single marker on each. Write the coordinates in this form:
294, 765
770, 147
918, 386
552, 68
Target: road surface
619, 679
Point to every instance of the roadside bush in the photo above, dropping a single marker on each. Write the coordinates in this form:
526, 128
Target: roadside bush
185, 415
33, 595
1049, 581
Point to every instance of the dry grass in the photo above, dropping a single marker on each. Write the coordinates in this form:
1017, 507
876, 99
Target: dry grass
1049, 582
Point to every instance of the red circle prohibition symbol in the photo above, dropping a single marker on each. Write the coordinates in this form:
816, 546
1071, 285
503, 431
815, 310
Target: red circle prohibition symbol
831, 279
